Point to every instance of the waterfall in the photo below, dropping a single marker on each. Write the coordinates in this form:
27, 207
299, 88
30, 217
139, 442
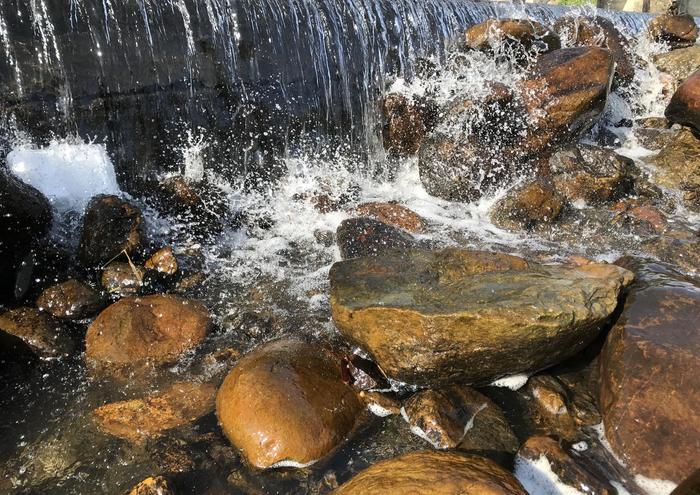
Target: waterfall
251, 74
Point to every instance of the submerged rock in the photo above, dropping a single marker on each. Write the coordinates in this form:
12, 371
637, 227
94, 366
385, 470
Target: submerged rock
460, 417
599, 31
439, 473
369, 237
140, 419
25, 217
72, 300
111, 226
43, 334
436, 316
575, 474
678, 30
394, 214
592, 174
684, 107
285, 405
565, 95
122, 279
151, 330
519, 35
527, 206
649, 385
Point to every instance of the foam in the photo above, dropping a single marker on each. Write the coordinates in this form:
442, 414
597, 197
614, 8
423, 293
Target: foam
653, 486
287, 463
537, 478
68, 174
513, 382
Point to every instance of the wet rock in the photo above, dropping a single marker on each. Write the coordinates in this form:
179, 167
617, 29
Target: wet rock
430, 472
380, 404
679, 247
460, 417
363, 374
677, 30
285, 404
162, 261
368, 237
684, 107
565, 95
528, 206
642, 217
151, 330
599, 31
518, 35
460, 170
424, 314
42, 333
572, 472
122, 279
111, 226
678, 167
553, 408
140, 419
678, 64
25, 217
654, 133
152, 486
404, 125
392, 214
202, 206
72, 300
690, 486
649, 388
592, 174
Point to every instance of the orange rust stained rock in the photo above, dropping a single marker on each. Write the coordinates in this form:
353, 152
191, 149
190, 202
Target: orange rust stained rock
392, 214
433, 473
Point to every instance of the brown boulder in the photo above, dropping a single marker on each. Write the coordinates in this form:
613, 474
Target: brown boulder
42, 333
518, 34
285, 404
434, 316
678, 167
690, 486
146, 330
553, 410
679, 31
111, 225
392, 214
433, 473
541, 454
564, 96
649, 387
404, 126
684, 107
140, 419
369, 237
162, 261
678, 65
72, 300
598, 31
528, 206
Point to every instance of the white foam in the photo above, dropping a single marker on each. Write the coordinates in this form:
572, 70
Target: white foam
654, 487
513, 382
68, 174
537, 478
287, 463
378, 410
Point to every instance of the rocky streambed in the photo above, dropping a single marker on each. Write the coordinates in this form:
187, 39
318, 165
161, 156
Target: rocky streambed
508, 305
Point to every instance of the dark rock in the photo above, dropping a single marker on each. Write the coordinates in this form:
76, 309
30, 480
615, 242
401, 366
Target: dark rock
122, 279
599, 31
363, 374
690, 486
649, 388
72, 300
565, 95
678, 167
380, 404
528, 206
573, 472
25, 217
111, 226
404, 125
151, 330
368, 237
678, 30
285, 404
591, 174
424, 314
152, 486
43, 334
519, 35
554, 411
431, 472
684, 107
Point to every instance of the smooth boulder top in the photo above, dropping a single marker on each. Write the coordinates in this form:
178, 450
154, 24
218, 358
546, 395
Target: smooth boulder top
433, 473
684, 107
285, 405
435, 316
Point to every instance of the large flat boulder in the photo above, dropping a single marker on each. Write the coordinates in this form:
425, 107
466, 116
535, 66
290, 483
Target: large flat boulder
649, 382
436, 316
433, 473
